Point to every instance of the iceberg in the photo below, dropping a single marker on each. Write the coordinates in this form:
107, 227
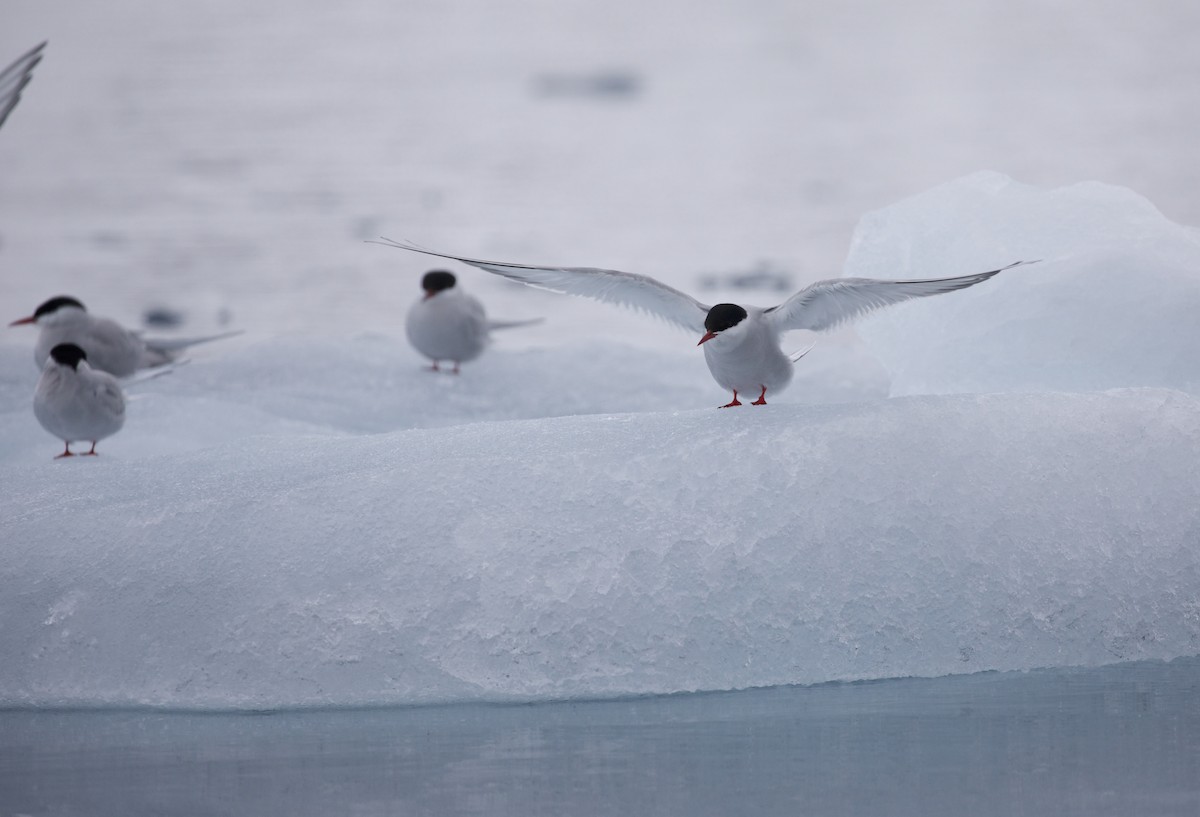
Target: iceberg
317, 522
608, 554
1113, 303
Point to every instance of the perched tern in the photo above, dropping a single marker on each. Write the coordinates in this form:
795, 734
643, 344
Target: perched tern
15, 77
741, 342
448, 324
110, 347
76, 403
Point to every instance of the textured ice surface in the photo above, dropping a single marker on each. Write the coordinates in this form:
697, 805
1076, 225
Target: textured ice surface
315, 520
1114, 303
304, 563
293, 521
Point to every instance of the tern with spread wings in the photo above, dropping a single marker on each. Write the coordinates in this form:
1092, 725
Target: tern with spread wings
741, 342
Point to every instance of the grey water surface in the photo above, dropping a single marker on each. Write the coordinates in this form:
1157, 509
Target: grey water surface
1117, 740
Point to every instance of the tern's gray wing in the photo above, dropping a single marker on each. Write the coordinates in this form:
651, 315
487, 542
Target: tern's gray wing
638, 292
109, 395
826, 304
15, 77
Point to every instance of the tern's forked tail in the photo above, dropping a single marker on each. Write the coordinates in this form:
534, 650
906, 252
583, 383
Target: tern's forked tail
513, 324
177, 344
795, 356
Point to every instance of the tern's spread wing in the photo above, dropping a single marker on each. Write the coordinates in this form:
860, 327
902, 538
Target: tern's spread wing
826, 304
622, 288
15, 77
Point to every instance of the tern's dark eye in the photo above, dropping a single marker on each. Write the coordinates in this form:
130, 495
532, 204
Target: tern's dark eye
54, 304
723, 316
437, 280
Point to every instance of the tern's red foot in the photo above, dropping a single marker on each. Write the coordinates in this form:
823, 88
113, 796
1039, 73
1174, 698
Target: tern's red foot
733, 402
434, 367
455, 369
66, 453
762, 398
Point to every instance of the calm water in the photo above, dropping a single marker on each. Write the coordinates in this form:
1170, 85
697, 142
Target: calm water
1120, 740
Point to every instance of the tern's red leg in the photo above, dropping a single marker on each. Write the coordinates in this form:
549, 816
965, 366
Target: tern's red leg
66, 452
455, 369
92, 453
733, 402
434, 367
762, 398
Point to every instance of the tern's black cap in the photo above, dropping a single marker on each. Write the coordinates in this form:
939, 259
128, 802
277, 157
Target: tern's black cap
437, 279
723, 316
68, 354
56, 303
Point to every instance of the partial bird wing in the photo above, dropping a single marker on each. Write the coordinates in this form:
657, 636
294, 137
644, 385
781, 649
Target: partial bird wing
176, 344
15, 77
152, 374
638, 292
108, 393
826, 304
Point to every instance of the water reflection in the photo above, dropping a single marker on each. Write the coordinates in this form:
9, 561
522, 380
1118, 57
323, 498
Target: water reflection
1116, 740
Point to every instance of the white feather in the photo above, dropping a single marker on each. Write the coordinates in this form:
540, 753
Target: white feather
826, 304
627, 289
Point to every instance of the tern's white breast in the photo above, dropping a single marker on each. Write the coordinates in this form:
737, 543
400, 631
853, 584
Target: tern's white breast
747, 357
449, 326
78, 404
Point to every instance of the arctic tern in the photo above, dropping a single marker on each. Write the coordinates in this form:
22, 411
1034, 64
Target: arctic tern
76, 403
741, 342
110, 347
448, 324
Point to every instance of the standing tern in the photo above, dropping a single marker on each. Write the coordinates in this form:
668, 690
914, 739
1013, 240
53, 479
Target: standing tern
449, 324
741, 343
110, 347
76, 403
14, 78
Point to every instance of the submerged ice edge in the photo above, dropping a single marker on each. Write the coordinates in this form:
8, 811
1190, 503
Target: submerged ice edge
1185, 663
